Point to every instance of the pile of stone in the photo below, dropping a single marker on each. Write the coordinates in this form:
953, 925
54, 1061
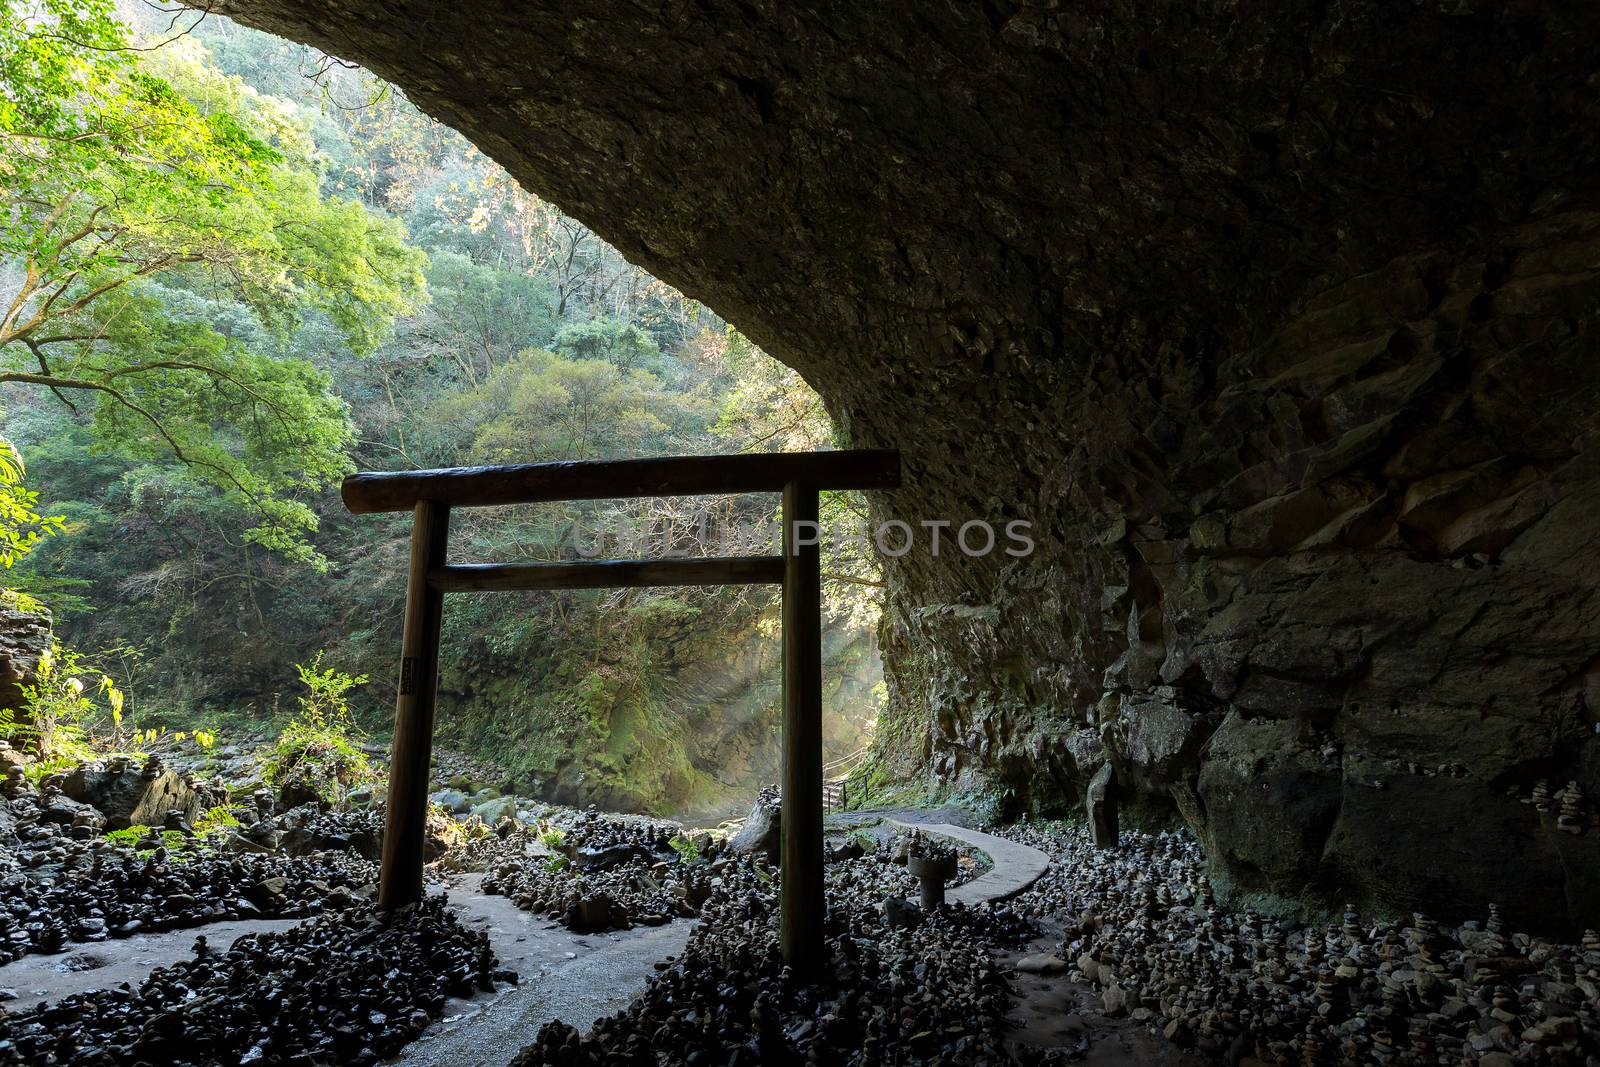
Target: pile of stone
106, 891
601, 874
593, 872
1143, 926
616, 898
923, 994
594, 840
350, 988
312, 828
315, 827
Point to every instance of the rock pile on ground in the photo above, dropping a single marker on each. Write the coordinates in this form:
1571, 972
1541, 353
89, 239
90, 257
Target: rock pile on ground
110, 892
617, 898
312, 828
598, 873
1143, 927
924, 994
595, 841
349, 988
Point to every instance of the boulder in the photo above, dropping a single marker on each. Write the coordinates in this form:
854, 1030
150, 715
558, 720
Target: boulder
127, 798
592, 914
366, 795
268, 892
453, 801
10, 757
1100, 804
64, 811
901, 914
762, 832
298, 790
1270, 801
494, 809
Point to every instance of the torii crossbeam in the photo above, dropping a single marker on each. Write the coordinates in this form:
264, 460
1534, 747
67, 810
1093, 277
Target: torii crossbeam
430, 495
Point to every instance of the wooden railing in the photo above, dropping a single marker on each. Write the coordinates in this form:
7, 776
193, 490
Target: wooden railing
834, 774
430, 495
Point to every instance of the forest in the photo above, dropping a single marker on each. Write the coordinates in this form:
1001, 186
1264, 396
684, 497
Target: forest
234, 270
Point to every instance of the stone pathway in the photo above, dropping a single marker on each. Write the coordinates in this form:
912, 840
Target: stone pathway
576, 978
1016, 866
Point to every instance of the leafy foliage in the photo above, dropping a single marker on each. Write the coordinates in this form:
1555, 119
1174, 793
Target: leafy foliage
21, 525
138, 195
318, 751
59, 704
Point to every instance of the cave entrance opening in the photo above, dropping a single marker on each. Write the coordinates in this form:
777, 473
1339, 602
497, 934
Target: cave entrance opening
800, 476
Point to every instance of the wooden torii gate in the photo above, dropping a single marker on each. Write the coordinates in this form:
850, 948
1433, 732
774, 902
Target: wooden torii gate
430, 495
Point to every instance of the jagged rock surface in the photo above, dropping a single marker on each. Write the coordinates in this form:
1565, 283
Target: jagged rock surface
24, 637
1277, 324
127, 797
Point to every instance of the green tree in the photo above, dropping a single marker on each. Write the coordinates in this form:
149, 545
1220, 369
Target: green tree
545, 406
128, 181
21, 525
621, 344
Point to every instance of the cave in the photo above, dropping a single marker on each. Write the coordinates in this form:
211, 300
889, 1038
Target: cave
1274, 323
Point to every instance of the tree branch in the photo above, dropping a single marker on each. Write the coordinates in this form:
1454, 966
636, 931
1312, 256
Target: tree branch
54, 383
44, 365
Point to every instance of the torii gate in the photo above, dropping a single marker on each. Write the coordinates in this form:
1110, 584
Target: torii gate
799, 476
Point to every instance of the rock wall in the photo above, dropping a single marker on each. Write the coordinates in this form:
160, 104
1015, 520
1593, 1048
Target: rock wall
24, 637
1276, 322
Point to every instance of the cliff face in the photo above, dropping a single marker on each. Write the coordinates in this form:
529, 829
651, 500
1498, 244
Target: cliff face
1276, 323
24, 637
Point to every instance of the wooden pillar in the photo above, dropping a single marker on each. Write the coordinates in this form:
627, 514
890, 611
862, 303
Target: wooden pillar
801, 908
400, 879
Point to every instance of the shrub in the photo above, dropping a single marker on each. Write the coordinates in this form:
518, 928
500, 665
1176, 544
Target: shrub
215, 821
318, 751
685, 848
59, 705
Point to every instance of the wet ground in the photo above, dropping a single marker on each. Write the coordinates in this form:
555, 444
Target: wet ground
577, 978
107, 964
